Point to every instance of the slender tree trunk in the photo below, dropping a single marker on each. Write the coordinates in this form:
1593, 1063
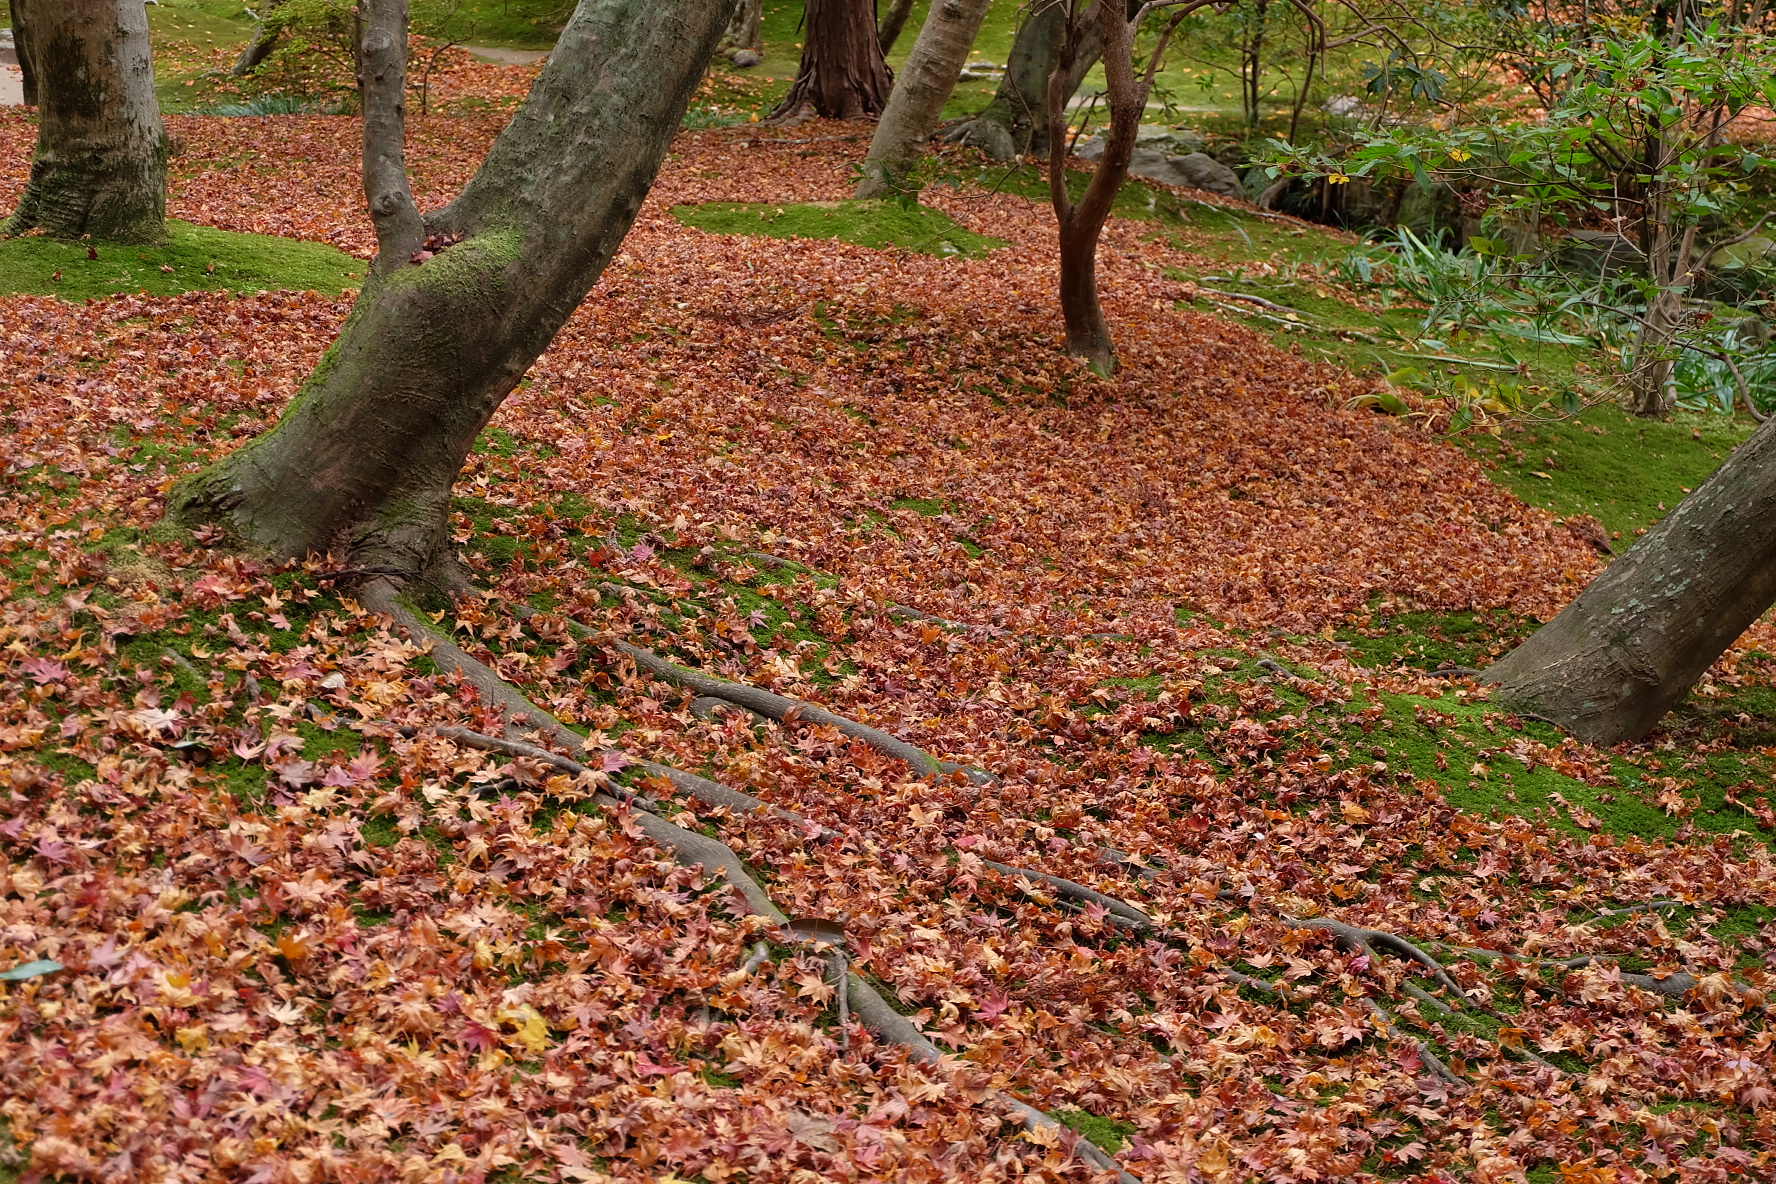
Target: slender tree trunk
100, 167
1252, 61
892, 22
924, 86
22, 43
1637, 639
746, 29
1081, 224
459, 303
1017, 119
842, 75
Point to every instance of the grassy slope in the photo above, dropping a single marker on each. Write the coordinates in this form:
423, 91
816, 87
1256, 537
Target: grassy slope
194, 258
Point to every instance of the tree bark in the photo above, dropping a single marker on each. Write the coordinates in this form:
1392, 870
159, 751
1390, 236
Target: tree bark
924, 86
842, 75
260, 47
362, 462
100, 167
889, 27
1017, 119
1081, 225
1637, 639
746, 29
21, 42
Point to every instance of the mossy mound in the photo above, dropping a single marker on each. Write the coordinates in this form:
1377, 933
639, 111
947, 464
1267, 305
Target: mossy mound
194, 258
866, 223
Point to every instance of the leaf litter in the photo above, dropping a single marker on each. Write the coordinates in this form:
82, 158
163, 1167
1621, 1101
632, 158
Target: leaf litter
305, 937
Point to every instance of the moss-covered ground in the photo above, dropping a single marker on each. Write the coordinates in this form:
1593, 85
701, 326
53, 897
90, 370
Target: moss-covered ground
194, 258
866, 223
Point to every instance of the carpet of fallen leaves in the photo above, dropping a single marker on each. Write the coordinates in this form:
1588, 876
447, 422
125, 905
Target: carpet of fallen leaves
307, 940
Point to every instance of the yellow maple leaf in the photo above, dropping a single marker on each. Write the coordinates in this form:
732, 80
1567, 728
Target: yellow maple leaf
530, 1028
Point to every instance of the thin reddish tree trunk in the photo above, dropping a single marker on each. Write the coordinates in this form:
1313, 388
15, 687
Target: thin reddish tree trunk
843, 74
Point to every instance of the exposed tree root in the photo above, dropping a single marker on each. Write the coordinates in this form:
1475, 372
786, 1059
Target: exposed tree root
856, 995
859, 996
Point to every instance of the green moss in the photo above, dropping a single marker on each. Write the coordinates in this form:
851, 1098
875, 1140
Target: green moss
194, 258
1107, 1133
866, 223
1628, 472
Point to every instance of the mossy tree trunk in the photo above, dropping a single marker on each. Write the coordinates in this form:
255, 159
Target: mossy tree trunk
21, 43
100, 166
920, 93
842, 75
1629, 649
1017, 119
746, 27
461, 301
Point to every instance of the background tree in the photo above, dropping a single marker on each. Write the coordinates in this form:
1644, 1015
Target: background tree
745, 33
21, 42
264, 40
1017, 119
461, 301
100, 165
1629, 649
916, 106
1080, 223
843, 74
891, 22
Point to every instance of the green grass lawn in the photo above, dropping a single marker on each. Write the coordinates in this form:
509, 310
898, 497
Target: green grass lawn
195, 258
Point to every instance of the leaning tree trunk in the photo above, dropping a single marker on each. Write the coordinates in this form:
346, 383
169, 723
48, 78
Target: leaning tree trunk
1081, 224
100, 167
21, 44
892, 22
265, 37
1634, 642
842, 75
1016, 121
920, 93
461, 302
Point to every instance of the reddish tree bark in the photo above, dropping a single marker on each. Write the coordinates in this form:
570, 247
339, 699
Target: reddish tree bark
843, 74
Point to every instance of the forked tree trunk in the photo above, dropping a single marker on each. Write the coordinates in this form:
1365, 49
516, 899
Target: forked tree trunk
924, 86
100, 167
1081, 224
1629, 649
842, 75
1016, 121
21, 43
892, 21
460, 303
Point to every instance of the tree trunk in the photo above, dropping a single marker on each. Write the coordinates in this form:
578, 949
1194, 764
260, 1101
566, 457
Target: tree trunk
1016, 121
842, 75
892, 22
1081, 225
1252, 61
746, 29
458, 305
100, 167
1634, 642
924, 86
259, 48
21, 42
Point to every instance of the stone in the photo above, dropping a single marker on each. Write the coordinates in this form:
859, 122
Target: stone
746, 59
